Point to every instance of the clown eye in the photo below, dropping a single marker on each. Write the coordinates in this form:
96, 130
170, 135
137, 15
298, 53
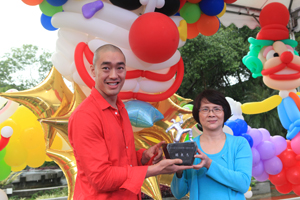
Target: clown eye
271, 54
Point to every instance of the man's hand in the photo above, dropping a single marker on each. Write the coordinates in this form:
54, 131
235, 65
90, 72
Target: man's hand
155, 151
205, 160
166, 166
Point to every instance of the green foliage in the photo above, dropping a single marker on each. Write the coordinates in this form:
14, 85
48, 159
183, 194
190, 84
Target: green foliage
216, 61
46, 194
11, 177
24, 67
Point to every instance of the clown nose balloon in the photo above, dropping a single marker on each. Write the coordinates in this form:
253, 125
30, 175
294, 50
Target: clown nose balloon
153, 37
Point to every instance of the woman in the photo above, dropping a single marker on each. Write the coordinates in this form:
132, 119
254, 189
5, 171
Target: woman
222, 167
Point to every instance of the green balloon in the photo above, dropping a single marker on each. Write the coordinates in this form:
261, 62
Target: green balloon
190, 12
2, 153
4, 170
188, 106
48, 9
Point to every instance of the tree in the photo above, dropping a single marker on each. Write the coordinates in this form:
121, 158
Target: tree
216, 62
24, 67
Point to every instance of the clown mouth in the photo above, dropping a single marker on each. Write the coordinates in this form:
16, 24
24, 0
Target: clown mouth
283, 71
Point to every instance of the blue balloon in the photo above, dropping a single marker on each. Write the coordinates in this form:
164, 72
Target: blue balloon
211, 7
248, 138
57, 2
242, 124
46, 23
234, 127
142, 114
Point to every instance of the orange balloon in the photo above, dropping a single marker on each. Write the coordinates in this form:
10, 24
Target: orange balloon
32, 2
208, 25
192, 31
194, 1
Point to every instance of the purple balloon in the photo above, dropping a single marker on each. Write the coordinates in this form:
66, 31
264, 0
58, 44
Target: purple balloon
266, 150
258, 169
265, 133
273, 166
280, 144
263, 177
255, 156
256, 136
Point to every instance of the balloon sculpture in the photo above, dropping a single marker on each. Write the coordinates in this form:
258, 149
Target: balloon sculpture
272, 56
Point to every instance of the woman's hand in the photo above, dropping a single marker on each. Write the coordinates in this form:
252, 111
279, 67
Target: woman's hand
155, 151
205, 160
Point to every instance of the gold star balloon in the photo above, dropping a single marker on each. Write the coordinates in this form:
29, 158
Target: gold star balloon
60, 121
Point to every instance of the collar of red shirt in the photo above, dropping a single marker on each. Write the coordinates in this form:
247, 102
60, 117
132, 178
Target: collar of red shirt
103, 104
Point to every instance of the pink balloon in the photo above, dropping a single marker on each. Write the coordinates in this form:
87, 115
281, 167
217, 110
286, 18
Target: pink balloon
280, 144
295, 144
273, 166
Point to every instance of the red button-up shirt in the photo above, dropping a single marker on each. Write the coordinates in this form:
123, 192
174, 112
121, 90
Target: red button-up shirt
108, 165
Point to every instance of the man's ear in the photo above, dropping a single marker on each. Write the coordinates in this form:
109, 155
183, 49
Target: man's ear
93, 70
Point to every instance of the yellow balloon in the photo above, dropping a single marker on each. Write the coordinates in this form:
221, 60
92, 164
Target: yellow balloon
48, 159
57, 143
223, 11
36, 158
24, 118
263, 106
19, 168
32, 138
16, 154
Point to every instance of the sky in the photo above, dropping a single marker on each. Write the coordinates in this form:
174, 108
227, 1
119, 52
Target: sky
20, 24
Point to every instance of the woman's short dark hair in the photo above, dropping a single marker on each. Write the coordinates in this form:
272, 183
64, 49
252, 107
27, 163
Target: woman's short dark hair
214, 97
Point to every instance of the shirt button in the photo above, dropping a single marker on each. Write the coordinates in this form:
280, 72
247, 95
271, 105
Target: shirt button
126, 147
116, 113
130, 165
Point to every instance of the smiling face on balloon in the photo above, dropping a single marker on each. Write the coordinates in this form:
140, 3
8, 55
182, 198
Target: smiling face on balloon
281, 67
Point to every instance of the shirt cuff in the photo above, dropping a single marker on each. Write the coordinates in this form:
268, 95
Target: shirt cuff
135, 178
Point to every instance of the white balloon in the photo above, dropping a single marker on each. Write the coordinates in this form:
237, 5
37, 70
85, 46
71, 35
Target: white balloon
110, 13
6, 131
3, 195
94, 26
10, 107
248, 194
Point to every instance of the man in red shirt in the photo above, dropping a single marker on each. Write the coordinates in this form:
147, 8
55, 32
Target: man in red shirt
101, 135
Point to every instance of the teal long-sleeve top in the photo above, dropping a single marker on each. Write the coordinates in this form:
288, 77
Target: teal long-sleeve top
227, 178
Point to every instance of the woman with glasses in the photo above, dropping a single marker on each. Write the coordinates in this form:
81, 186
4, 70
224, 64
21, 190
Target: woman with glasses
223, 163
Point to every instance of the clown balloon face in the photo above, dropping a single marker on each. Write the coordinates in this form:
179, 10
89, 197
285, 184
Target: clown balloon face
281, 67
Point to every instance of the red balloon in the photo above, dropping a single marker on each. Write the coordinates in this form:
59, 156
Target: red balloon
154, 37
284, 189
229, 1
288, 158
192, 30
289, 146
293, 175
32, 2
208, 25
182, 2
296, 189
279, 179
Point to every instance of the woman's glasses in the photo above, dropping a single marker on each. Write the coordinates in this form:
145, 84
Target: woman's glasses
215, 110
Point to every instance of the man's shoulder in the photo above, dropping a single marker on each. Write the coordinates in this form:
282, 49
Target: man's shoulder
86, 106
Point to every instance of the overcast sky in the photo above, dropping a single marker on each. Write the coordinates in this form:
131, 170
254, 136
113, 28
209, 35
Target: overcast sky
20, 24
